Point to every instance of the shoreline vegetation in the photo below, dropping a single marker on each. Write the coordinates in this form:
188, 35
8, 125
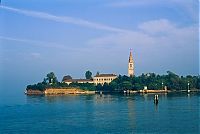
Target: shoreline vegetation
145, 83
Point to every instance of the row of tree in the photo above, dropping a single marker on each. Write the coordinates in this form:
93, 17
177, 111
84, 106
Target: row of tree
171, 80
151, 80
51, 81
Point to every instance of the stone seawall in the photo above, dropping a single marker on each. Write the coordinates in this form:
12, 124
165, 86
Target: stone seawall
52, 91
34, 92
153, 91
58, 91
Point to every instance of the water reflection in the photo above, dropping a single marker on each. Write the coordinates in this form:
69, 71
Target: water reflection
145, 96
131, 113
106, 114
106, 98
156, 107
35, 99
188, 95
71, 98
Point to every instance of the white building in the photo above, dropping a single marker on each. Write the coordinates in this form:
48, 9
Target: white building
97, 79
103, 78
78, 81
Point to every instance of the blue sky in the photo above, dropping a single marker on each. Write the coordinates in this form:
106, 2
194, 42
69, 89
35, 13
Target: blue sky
70, 37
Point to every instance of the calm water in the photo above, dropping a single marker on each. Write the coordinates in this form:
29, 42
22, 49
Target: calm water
175, 113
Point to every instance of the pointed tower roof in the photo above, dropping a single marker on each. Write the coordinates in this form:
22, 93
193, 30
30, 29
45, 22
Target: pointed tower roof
130, 56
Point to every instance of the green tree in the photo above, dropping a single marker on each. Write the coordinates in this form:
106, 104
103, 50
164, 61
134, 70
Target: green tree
88, 75
99, 87
198, 82
138, 86
106, 86
44, 81
51, 78
126, 85
98, 73
113, 85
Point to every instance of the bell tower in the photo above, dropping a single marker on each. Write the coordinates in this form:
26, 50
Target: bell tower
130, 65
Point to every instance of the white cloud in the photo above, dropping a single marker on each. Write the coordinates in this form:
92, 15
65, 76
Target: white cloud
176, 48
157, 26
36, 43
35, 55
155, 36
130, 3
129, 38
189, 8
145, 35
65, 19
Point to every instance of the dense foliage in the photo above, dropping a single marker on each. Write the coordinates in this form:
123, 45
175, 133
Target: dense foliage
151, 80
84, 86
50, 78
88, 75
42, 86
50, 81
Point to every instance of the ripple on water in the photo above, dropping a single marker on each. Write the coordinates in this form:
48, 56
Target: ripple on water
106, 114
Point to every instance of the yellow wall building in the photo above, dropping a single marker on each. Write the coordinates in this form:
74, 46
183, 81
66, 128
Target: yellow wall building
103, 78
78, 81
97, 79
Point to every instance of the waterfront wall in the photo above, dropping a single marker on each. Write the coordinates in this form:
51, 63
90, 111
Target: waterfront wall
153, 91
57, 91
34, 92
52, 91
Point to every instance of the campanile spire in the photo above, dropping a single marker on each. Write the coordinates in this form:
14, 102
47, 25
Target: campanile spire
130, 64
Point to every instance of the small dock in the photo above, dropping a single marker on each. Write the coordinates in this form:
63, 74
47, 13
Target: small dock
153, 91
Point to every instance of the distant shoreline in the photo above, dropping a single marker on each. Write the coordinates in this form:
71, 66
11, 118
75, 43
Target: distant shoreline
144, 83
68, 91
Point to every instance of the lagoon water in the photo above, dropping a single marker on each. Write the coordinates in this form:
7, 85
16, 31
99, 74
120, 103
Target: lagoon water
175, 113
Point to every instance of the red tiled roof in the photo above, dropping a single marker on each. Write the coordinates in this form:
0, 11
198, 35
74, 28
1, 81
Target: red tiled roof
105, 75
78, 80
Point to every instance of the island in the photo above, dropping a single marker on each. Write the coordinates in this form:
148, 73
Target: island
111, 83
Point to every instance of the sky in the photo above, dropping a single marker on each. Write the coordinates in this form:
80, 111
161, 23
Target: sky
69, 37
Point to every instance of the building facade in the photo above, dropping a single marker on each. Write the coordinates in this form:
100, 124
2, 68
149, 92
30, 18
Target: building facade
97, 79
131, 65
78, 81
103, 78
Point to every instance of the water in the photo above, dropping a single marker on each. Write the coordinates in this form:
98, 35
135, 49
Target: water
175, 113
